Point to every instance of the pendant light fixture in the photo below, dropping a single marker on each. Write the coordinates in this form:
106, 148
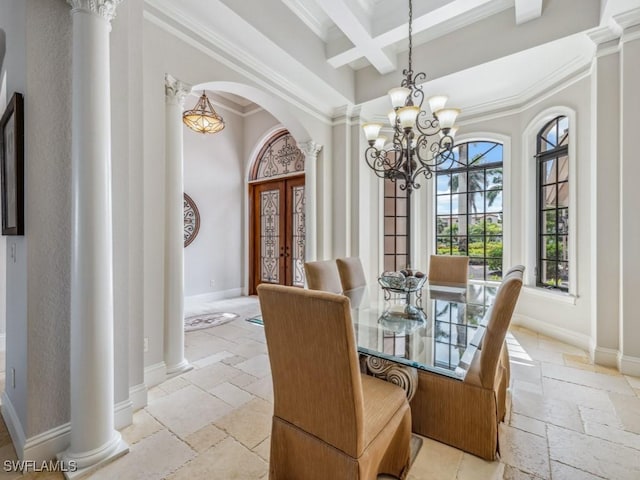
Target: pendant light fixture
203, 118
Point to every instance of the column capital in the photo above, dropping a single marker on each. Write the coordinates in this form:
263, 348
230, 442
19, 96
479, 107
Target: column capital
104, 8
310, 149
175, 90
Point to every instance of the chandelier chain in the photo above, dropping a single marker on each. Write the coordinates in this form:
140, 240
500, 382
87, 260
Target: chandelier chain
410, 34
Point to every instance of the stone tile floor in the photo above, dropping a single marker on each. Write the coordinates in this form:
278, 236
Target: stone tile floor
568, 419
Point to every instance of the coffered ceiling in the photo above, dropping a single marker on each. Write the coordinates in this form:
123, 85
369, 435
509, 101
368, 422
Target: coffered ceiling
329, 54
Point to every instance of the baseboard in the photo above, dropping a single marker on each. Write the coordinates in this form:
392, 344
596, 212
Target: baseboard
629, 365
123, 414
46, 445
39, 448
138, 396
155, 374
214, 296
14, 426
3, 342
579, 340
607, 357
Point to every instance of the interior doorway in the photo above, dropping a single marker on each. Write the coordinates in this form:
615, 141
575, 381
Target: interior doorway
277, 214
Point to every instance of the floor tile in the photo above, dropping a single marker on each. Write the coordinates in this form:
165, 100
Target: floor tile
560, 471
231, 394
593, 415
205, 438
229, 460
512, 473
143, 425
576, 394
211, 359
590, 379
528, 424
208, 377
436, 461
173, 384
634, 382
262, 388
263, 449
150, 459
250, 424
593, 455
258, 366
614, 435
188, 410
549, 410
525, 451
628, 410
474, 468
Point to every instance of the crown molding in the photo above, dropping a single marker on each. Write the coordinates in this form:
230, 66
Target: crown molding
576, 67
220, 49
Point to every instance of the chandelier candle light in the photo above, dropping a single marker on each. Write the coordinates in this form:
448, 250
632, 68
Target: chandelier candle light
420, 141
203, 118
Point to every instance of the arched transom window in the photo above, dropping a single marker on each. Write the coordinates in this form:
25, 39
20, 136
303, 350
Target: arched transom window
279, 157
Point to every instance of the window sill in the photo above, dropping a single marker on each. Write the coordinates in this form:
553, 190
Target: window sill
551, 294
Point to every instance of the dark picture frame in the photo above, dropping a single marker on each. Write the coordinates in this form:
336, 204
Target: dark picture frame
12, 166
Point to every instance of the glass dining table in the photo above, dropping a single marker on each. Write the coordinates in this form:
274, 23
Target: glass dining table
438, 332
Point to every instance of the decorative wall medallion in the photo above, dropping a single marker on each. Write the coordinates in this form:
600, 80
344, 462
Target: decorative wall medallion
191, 220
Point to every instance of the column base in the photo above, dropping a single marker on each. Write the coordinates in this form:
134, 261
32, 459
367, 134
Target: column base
175, 370
89, 462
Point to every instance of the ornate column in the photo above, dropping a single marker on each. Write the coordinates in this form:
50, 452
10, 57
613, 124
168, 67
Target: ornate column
310, 150
175, 93
94, 440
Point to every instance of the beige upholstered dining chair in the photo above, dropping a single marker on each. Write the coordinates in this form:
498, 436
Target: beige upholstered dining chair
351, 273
329, 422
448, 269
505, 364
323, 275
466, 413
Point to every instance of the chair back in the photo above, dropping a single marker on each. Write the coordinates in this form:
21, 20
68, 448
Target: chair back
323, 275
448, 269
314, 364
485, 363
351, 273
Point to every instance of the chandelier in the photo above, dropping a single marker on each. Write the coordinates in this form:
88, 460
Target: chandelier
421, 141
203, 118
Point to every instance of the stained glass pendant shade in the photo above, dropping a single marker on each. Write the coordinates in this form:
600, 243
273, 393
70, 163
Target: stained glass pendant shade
203, 118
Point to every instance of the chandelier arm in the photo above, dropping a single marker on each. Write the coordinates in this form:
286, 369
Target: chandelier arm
427, 125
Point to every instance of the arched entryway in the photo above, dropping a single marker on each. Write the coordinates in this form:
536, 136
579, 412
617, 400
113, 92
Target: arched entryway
277, 214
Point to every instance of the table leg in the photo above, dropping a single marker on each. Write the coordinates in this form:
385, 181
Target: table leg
403, 376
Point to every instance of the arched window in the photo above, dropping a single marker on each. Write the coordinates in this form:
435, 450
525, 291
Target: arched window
280, 156
552, 154
469, 210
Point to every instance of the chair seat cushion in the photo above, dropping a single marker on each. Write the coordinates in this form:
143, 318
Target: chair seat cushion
381, 402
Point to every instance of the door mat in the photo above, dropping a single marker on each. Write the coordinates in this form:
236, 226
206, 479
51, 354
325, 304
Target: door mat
207, 320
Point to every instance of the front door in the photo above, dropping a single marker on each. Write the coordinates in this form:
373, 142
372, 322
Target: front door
278, 232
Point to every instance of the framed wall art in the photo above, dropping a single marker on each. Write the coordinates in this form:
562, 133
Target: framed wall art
191, 220
12, 166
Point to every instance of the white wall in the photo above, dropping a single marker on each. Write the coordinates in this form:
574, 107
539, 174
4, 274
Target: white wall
214, 179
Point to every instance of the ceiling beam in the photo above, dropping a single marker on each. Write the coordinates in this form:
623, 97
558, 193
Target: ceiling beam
355, 23
390, 29
527, 10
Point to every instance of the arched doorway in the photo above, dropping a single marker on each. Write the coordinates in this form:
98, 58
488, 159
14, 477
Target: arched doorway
277, 214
